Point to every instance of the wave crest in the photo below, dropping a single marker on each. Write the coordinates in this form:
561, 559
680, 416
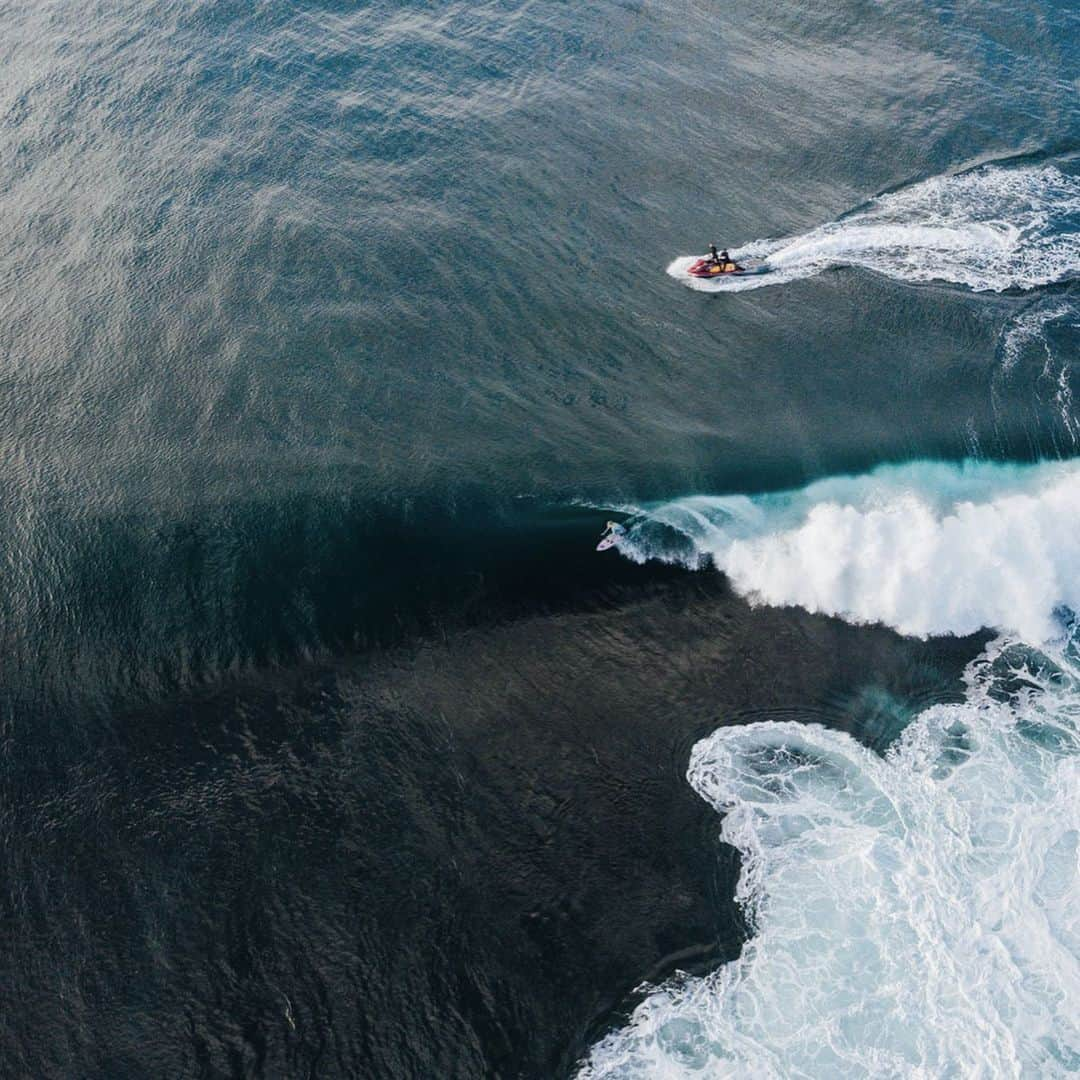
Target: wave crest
926, 548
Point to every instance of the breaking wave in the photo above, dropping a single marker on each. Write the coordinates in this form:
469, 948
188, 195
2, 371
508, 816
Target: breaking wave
990, 229
912, 914
926, 548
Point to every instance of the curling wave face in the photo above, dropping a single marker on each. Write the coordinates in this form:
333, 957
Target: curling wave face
913, 915
926, 548
990, 229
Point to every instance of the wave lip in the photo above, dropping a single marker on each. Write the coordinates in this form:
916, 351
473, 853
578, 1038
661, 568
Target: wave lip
913, 915
926, 548
990, 229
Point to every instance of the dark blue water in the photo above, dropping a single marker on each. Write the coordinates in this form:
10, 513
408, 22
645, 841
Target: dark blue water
328, 746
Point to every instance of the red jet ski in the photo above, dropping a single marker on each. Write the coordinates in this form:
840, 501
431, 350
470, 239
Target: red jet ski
707, 268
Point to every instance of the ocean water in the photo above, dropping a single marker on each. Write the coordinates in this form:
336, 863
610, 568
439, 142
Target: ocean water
330, 335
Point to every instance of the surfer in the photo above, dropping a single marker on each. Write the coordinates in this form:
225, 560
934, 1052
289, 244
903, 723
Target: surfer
612, 531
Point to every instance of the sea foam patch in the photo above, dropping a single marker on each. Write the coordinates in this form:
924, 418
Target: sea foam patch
913, 915
990, 229
926, 548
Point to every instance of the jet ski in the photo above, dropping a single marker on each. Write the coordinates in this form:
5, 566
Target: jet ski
705, 267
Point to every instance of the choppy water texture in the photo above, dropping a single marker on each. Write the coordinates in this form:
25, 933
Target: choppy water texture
328, 744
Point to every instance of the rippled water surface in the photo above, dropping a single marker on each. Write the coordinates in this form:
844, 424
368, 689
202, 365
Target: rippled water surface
330, 333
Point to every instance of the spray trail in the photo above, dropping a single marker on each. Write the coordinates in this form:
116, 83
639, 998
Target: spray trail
991, 229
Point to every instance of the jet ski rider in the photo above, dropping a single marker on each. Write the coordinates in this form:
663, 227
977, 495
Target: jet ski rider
722, 259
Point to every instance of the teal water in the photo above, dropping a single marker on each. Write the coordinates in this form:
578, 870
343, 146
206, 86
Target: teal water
323, 328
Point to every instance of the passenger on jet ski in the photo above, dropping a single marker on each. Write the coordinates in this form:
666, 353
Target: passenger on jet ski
723, 260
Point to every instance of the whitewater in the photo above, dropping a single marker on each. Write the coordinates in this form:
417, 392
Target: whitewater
991, 229
912, 914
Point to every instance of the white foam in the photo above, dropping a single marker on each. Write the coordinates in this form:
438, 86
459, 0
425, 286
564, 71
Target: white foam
914, 915
926, 548
990, 229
